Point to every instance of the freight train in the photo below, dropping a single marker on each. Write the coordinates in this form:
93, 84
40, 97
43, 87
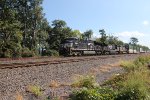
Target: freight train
74, 46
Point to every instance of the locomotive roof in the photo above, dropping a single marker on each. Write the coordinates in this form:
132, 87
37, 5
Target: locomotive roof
71, 38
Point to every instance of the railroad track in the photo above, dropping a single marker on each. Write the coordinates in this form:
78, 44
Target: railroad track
50, 62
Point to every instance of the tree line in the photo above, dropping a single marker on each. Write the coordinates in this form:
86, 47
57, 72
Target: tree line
24, 32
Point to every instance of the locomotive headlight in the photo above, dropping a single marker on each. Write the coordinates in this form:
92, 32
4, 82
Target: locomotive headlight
75, 43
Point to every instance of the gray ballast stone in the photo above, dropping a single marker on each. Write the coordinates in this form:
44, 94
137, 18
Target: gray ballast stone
17, 80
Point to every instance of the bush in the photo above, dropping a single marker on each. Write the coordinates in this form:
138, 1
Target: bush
35, 90
93, 94
142, 61
132, 85
139, 63
27, 53
51, 53
11, 49
85, 81
135, 87
8, 53
128, 65
130, 94
115, 82
17, 51
106, 93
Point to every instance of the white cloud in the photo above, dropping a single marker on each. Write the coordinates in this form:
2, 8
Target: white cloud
130, 34
145, 23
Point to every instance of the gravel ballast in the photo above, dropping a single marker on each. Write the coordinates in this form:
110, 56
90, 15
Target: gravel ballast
17, 79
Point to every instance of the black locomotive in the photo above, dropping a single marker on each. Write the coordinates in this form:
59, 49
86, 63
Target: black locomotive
74, 46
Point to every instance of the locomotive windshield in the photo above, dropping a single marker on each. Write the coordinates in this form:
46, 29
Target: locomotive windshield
70, 40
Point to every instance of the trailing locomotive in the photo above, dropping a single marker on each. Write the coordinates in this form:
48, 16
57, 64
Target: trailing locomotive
74, 46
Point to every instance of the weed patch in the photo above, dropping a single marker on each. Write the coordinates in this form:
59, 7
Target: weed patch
93, 94
19, 96
54, 84
134, 84
35, 90
85, 81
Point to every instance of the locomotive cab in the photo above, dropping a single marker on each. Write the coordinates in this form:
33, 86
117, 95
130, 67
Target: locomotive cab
67, 44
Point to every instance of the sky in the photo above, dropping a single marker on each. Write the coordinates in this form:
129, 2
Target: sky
121, 18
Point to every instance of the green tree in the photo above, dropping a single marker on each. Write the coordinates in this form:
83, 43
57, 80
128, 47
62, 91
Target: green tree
145, 48
22, 24
59, 24
10, 34
42, 35
114, 40
119, 42
88, 34
76, 33
33, 22
58, 33
104, 37
133, 41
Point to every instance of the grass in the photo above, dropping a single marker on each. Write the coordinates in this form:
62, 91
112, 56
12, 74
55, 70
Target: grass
54, 84
88, 89
127, 65
105, 69
134, 84
85, 81
35, 90
137, 64
19, 96
93, 94
115, 81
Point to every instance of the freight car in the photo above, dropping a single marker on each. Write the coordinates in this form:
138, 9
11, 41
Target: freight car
74, 46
